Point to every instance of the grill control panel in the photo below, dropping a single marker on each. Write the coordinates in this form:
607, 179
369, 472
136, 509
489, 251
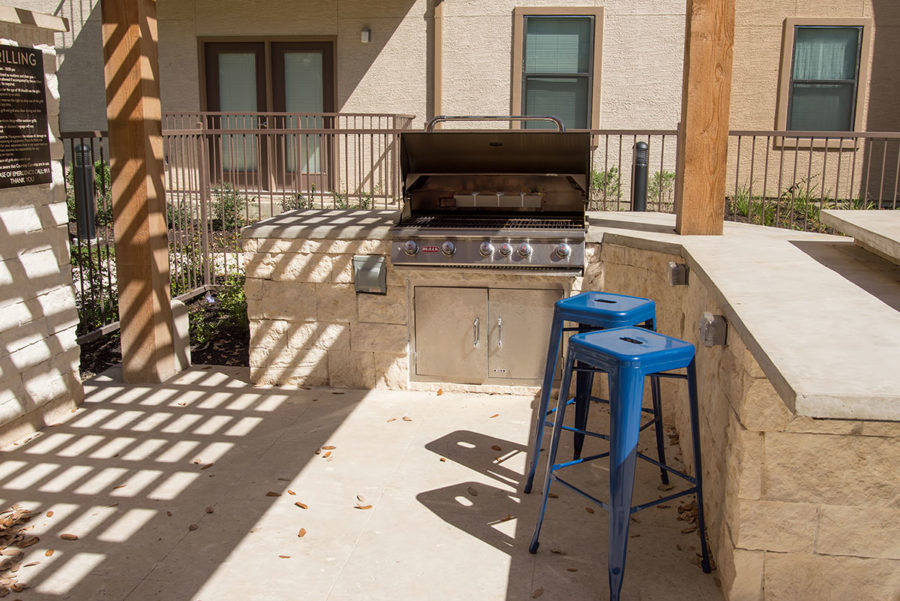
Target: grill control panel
492, 252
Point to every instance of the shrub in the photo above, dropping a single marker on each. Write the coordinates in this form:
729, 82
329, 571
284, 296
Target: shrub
102, 193
606, 184
297, 202
227, 205
224, 308
662, 187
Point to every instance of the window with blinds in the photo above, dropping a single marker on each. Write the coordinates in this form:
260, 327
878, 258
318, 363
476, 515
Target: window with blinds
557, 69
824, 78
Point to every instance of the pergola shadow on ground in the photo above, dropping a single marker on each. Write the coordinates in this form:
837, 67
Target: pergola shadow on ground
189, 490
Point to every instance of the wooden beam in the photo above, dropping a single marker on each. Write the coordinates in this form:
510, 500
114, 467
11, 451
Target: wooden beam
138, 196
705, 104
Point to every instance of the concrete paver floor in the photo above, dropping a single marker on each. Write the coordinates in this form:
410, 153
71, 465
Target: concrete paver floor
188, 491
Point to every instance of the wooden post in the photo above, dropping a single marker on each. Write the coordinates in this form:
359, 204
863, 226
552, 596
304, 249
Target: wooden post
138, 196
705, 103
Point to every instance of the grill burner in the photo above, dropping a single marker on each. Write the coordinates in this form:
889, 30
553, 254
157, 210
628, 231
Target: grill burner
481, 222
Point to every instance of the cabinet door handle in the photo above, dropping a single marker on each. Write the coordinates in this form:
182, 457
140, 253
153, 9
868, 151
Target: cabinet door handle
476, 333
499, 332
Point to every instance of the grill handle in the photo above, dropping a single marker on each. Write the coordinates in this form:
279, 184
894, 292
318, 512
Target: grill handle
476, 333
439, 118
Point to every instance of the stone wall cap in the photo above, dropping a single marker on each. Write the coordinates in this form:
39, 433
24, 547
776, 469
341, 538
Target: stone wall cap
21, 16
820, 315
325, 224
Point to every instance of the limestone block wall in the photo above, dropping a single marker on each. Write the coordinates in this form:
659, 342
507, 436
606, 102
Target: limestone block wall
797, 508
39, 357
309, 327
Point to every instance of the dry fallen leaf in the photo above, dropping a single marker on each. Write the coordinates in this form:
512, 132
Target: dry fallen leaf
407, 418
492, 417
472, 491
48, 552
67, 536
301, 533
284, 556
169, 513
589, 509
393, 419
50, 514
19, 587
272, 493
33, 563
358, 506
209, 509
571, 569
360, 498
537, 593
119, 486
440, 391
663, 506
443, 459
329, 447
284, 479
28, 541
318, 451
207, 466
193, 527
552, 495
301, 505
496, 447
290, 492
327, 454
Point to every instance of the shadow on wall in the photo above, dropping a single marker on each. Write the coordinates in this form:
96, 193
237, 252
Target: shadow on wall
81, 82
38, 355
882, 159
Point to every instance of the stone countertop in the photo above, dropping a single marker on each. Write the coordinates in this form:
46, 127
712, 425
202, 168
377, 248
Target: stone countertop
820, 315
877, 231
327, 224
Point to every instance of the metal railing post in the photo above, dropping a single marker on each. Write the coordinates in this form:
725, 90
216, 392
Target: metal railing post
202, 148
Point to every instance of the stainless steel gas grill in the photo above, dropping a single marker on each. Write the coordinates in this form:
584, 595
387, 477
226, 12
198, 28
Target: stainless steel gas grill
510, 199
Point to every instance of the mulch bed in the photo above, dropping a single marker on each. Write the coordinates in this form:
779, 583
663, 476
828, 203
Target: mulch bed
230, 346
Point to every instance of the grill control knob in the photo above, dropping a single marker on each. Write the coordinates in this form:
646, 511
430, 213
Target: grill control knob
563, 250
410, 247
505, 249
486, 249
525, 250
448, 248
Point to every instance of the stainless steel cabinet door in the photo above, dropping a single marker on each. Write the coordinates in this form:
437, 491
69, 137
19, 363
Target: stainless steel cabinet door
451, 333
520, 326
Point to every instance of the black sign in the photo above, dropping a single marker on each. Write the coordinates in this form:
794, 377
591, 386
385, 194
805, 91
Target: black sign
24, 146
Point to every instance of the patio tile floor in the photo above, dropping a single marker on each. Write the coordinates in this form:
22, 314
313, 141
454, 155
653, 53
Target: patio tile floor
451, 529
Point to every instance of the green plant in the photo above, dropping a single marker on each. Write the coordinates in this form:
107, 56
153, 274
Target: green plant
296, 202
227, 205
94, 270
178, 213
662, 187
340, 201
606, 184
224, 308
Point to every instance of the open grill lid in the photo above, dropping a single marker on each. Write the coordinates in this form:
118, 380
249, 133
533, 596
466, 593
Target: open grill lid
494, 171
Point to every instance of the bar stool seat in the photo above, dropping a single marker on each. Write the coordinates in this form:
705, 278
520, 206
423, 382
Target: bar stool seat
627, 355
591, 311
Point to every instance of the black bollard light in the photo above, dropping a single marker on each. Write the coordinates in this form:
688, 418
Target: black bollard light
639, 177
83, 177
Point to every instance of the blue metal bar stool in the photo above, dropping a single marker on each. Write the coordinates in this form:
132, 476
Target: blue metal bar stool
592, 311
627, 355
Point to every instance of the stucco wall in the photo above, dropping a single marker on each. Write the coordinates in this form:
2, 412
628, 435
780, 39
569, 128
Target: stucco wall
39, 358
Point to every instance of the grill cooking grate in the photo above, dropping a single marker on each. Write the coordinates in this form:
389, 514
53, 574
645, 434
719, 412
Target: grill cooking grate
494, 222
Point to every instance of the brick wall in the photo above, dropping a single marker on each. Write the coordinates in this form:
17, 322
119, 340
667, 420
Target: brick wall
797, 508
38, 354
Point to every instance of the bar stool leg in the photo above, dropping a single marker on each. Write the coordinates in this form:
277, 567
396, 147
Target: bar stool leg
658, 426
552, 356
698, 468
583, 381
626, 392
554, 443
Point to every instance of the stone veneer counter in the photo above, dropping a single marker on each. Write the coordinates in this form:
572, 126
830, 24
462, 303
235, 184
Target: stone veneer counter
822, 322
819, 315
